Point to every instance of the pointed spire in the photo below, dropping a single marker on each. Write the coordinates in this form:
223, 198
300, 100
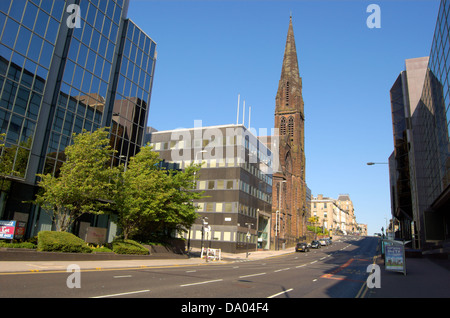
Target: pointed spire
290, 62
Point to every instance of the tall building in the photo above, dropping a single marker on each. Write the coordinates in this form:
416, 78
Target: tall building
236, 179
289, 187
420, 164
66, 66
405, 96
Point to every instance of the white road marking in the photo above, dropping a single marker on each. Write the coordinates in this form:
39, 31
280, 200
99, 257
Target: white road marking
283, 292
251, 275
121, 294
200, 283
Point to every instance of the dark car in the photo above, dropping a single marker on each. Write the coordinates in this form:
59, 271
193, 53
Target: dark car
302, 247
315, 244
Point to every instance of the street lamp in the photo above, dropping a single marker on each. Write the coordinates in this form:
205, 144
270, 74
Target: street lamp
189, 236
248, 235
277, 217
204, 224
377, 163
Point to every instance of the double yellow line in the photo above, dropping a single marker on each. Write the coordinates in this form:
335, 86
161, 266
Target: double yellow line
363, 290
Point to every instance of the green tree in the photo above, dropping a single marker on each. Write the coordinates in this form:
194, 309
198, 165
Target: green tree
151, 200
85, 182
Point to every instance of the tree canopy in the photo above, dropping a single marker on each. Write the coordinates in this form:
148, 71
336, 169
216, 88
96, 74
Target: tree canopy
147, 200
84, 184
152, 200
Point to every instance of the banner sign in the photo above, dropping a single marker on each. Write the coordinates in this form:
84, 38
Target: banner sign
7, 229
395, 258
20, 229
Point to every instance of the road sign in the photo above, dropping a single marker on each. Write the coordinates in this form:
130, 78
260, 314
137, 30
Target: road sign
394, 256
7, 229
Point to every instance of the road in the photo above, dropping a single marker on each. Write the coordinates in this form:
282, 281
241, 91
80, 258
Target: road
334, 271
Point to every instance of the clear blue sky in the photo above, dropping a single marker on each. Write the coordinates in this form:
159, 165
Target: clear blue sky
210, 51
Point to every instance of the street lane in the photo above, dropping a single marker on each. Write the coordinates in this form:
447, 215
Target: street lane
337, 270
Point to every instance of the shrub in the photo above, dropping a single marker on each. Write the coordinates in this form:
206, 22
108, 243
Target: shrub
129, 247
102, 249
18, 245
50, 241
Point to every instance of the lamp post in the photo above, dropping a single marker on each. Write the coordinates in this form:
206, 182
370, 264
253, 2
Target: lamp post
204, 224
193, 185
277, 217
248, 235
380, 163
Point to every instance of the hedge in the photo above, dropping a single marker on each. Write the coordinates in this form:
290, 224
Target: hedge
129, 247
51, 241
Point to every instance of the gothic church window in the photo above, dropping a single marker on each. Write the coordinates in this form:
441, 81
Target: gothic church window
287, 93
283, 126
291, 126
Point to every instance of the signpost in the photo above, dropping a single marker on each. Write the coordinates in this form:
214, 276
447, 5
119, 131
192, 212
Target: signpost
394, 259
7, 229
394, 256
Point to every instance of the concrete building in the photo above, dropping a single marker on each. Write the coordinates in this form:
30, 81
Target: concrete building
236, 178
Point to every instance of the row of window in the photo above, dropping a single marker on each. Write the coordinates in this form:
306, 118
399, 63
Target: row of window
234, 185
227, 207
225, 236
290, 126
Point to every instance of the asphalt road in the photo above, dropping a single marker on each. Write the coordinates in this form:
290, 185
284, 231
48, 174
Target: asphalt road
335, 271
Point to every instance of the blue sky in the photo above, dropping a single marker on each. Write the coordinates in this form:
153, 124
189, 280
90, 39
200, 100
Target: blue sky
211, 51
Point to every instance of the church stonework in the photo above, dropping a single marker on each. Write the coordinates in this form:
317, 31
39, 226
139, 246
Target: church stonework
289, 187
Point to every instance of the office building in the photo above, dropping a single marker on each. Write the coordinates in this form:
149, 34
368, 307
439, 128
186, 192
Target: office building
236, 179
420, 164
66, 66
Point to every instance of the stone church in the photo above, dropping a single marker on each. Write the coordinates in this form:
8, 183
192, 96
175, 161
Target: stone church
289, 211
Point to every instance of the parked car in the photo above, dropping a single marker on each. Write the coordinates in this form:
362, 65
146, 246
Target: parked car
302, 247
323, 242
329, 241
315, 244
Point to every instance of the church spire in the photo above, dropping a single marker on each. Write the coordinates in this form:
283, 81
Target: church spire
289, 96
290, 62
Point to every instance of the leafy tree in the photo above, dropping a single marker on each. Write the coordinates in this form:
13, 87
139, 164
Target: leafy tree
152, 200
85, 181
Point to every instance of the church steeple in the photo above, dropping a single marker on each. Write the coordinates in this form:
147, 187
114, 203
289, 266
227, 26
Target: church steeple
290, 62
289, 185
289, 96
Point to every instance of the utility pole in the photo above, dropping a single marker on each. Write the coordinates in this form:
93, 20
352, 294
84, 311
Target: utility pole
249, 225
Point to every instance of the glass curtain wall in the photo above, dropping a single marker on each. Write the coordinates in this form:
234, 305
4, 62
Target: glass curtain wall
28, 33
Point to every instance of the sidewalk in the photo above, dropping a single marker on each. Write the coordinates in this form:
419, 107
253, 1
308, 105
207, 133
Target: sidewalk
51, 265
425, 278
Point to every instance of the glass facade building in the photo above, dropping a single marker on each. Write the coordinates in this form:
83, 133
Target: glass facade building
432, 120
58, 78
420, 163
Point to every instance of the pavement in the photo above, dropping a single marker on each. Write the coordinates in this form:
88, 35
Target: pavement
30, 266
425, 277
